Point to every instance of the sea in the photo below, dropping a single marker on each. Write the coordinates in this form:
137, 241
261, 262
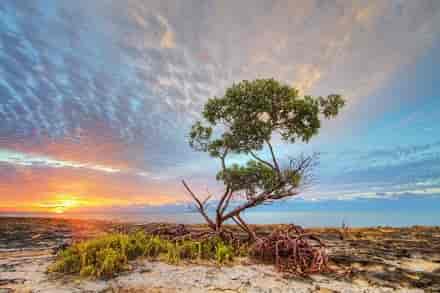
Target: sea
396, 212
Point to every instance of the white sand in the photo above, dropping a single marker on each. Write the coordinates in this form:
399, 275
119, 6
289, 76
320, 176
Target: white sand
27, 273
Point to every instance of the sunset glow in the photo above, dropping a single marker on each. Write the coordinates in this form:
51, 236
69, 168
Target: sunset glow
59, 206
97, 99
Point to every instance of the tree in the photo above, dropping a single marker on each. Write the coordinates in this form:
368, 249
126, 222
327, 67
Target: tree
243, 122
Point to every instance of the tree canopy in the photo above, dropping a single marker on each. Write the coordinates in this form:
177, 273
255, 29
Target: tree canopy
244, 122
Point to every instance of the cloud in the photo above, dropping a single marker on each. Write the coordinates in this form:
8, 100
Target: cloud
116, 84
126, 78
29, 160
379, 172
38, 186
308, 76
167, 40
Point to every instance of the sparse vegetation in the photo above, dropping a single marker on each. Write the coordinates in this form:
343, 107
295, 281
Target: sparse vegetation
106, 256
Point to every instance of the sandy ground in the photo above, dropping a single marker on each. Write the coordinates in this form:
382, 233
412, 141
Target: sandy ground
26, 272
373, 259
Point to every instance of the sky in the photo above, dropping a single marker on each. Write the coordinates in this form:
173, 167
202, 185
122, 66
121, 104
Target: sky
97, 97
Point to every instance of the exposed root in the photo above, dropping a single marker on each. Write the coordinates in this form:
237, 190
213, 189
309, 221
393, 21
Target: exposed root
180, 232
292, 251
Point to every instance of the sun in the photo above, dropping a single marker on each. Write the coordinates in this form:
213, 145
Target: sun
64, 205
61, 204
58, 210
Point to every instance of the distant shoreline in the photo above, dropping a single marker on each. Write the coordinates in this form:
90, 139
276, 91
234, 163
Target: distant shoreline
72, 218
112, 220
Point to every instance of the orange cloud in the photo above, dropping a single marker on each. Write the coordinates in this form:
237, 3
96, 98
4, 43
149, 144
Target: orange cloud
98, 145
46, 189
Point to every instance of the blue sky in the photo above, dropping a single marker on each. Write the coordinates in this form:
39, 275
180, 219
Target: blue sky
96, 97
397, 148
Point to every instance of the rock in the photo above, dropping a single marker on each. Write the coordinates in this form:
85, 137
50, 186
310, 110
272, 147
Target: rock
319, 289
11, 281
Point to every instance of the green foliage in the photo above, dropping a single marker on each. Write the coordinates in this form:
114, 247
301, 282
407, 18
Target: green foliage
224, 253
71, 261
243, 122
110, 262
106, 256
101, 257
254, 175
173, 253
190, 249
250, 111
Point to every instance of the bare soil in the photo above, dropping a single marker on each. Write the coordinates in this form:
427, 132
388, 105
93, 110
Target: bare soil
380, 259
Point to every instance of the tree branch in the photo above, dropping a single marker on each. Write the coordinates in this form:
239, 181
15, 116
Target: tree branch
250, 203
200, 206
220, 206
239, 224
277, 167
220, 209
205, 201
247, 228
304, 165
257, 200
225, 206
261, 160
301, 165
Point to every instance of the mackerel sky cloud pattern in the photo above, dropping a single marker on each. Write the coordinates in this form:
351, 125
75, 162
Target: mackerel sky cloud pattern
105, 91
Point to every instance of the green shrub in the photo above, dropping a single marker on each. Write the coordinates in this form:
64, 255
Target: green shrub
71, 262
173, 253
88, 271
189, 249
224, 253
110, 262
154, 247
209, 247
106, 256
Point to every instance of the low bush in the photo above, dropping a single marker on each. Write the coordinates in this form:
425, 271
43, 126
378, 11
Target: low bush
224, 253
106, 256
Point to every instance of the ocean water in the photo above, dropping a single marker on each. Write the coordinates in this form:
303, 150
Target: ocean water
398, 212
306, 219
